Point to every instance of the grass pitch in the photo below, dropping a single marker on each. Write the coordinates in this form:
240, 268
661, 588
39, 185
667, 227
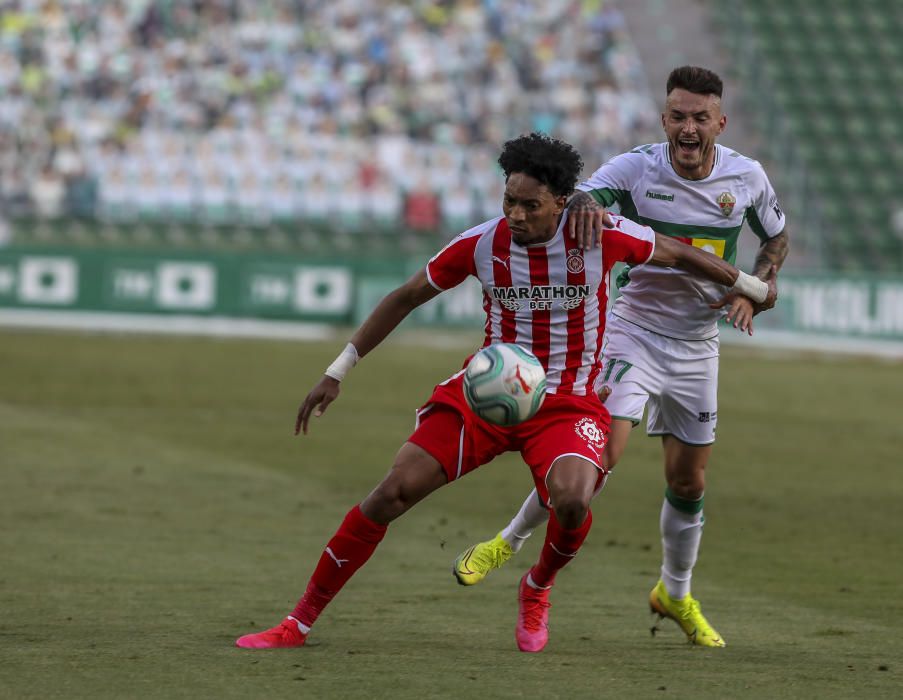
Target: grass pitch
155, 506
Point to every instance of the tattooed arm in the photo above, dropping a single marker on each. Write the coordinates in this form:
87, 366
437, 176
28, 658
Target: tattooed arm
772, 254
586, 218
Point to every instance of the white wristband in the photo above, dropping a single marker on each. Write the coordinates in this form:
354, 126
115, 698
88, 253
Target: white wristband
750, 286
343, 363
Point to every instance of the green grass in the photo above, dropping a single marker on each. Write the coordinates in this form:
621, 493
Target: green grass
154, 506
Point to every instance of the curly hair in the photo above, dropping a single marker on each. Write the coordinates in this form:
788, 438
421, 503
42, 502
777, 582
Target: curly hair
554, 163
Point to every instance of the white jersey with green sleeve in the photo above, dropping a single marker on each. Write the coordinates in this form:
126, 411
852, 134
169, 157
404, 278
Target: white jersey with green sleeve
707, 213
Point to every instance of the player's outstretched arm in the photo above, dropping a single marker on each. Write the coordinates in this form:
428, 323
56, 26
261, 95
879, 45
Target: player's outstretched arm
586, 219
672, 253
391, 311
741, 309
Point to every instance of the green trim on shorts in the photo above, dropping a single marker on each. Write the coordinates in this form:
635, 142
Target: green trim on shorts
691, 444
684, 505
635, 421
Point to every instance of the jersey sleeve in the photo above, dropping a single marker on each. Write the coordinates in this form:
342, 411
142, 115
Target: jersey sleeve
611, 182
455, 262
764, 214
627, 242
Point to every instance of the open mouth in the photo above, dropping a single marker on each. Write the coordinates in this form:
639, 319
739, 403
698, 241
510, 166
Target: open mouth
688, 147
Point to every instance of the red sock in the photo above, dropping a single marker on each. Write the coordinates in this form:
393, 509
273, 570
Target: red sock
559, 549
347, 551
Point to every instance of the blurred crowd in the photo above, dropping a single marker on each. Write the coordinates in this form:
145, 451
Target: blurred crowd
355, 113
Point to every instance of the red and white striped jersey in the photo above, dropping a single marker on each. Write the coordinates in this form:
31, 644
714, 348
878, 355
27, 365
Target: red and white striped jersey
550, 298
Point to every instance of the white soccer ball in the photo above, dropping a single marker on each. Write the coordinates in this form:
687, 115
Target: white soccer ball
504, 384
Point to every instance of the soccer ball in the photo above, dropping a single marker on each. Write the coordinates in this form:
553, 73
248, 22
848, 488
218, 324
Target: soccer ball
504, 384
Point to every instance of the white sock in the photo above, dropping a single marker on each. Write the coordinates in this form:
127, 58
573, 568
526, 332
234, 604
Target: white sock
530, 516
681, 535
534, 585
302, 628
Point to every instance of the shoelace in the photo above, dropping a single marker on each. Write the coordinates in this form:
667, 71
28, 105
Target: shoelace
693, 613
488, 559
533, 611
288, 630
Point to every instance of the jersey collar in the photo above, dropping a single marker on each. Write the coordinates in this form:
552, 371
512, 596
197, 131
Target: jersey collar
667, 148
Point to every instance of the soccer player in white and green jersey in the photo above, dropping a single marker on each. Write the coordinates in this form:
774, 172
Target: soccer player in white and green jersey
661, 345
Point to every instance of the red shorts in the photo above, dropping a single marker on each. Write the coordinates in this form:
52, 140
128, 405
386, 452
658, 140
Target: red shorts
566, 425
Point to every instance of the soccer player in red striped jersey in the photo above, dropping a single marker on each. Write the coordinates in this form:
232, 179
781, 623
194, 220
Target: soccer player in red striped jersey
662, 339
545, 294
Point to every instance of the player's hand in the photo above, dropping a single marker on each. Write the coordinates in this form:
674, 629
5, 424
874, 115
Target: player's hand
586, 219
742, 309
740, 312
319, 398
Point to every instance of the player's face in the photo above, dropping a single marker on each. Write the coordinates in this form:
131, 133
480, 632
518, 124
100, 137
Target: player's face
531, 210
692, 124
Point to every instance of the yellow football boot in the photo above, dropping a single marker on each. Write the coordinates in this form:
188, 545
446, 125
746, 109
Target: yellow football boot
687, 614
476, 561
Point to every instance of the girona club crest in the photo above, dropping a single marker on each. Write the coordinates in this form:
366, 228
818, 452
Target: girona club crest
575, 261
726, 202
589, 430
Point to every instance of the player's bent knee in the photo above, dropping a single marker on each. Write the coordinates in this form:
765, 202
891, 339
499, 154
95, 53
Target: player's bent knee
685, 467
571, 510
571, 483
390, 499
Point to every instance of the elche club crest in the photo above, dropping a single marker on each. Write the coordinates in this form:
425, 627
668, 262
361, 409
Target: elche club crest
575, 261
726, 202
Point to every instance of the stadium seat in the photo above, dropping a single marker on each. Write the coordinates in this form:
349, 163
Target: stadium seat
833, 71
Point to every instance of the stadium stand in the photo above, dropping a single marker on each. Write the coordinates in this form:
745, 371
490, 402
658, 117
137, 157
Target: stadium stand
168, 119
826, 81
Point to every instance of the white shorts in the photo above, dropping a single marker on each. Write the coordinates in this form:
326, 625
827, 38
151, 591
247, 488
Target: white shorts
675, 380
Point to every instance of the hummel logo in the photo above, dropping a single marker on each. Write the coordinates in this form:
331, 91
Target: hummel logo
496, 258
658, 195
338, 562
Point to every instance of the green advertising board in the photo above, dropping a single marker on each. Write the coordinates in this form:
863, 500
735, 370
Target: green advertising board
231, 285
343, 291
848, 306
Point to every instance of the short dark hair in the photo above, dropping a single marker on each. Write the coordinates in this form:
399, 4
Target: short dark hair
554, 163
700, 81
